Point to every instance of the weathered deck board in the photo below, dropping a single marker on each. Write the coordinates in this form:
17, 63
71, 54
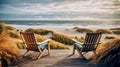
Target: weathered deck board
57, 58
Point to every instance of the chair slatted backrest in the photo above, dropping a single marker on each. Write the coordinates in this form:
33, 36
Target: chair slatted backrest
30, 41
91, 41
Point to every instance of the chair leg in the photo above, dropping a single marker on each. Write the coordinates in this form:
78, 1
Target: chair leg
74, 47
48, 48
25, 53
80, 53
94, 53
40, 54
94, 56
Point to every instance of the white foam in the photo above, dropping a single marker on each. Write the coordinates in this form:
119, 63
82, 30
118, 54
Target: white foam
65, 26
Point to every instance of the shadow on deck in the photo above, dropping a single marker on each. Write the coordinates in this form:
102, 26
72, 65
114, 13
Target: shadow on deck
57, 58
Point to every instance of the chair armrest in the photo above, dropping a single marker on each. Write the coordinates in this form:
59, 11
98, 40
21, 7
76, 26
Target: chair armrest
76, 41
46, 41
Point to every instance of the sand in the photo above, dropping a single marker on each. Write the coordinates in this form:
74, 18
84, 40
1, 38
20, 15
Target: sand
73, 33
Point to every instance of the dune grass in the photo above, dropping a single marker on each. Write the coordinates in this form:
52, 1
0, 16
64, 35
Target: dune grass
11, 31
57, 45
38, 31
109, 37
83, 30
2, 27
13, 34
19, 43
76, 28
10, 27
62, 38
114, 28
108, 52
80, 39
104, 31
8, 49
7, 27
116, 32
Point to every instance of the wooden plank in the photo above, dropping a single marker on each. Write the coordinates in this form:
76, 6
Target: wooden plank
91, 40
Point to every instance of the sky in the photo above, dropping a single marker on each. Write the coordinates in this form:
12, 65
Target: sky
59, 9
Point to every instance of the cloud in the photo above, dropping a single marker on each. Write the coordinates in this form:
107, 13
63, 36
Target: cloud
54, 18
37, 8
66, 18
63, 9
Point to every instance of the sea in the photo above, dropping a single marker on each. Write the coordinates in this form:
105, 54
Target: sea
63, 24
91, 13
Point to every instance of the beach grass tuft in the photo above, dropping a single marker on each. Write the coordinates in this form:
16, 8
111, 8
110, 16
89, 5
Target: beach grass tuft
108, 52
8, 49
13, 34
10, 28
38, 31
104, 31
19, 43
79, 39
109, 37
76, 28
83, 30
57, 45
114, 28
62, 38
116, 32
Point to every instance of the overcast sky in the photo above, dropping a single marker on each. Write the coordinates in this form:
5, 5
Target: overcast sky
59, 9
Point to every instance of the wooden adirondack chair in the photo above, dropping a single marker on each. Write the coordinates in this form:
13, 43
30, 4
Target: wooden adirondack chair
32, 45
90, 44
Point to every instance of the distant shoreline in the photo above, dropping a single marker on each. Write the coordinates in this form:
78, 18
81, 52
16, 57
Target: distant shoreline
63, 24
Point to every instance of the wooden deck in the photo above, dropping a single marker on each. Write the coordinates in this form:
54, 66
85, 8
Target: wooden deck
57, 58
